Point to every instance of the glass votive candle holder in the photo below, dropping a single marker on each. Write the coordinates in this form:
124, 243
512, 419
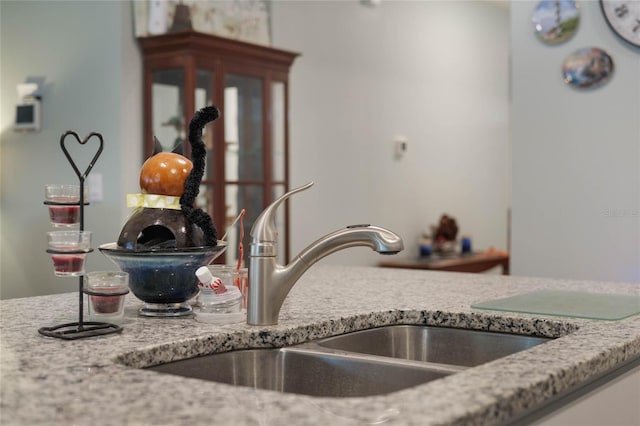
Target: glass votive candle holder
106, 291
68, 251
64, 204
224, 272
241, 280
216, 307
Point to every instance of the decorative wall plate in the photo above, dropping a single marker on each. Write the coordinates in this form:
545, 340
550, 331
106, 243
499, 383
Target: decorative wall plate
555, 21
587, 68
624, 18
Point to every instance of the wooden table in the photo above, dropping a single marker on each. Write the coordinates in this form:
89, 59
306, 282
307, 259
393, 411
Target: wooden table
472, 262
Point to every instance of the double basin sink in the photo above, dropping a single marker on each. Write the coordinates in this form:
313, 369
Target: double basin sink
363, 363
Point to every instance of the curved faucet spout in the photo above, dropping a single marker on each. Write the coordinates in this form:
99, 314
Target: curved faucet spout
379, 239
270, 283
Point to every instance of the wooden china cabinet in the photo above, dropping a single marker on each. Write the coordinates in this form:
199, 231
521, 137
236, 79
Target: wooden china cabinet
247, 147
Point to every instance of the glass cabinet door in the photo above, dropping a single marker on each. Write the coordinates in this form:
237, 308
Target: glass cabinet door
243, 154
167, 94
254, 174
279, 161
203, 96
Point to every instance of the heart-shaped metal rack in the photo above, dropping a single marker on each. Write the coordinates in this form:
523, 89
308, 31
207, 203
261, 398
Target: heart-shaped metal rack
81, 176
81, 329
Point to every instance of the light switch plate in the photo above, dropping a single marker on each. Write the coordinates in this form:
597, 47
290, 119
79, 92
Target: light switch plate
95, 187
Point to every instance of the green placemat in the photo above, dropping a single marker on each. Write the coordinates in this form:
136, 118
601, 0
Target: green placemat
576, 304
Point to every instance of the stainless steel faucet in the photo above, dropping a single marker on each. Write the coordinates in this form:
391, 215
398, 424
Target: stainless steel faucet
269, 283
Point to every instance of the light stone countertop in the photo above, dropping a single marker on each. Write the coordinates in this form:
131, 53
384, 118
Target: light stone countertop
84, 382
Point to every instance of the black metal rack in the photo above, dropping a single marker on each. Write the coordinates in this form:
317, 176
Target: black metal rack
80, 329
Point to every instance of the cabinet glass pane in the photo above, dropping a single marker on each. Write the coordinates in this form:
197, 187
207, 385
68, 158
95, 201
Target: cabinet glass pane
203, 96
278, 130
243, 128
167, 94
238, 197
204, 200
277, 192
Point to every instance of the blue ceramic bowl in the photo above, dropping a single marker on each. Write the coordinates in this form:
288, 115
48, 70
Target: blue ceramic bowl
163, 278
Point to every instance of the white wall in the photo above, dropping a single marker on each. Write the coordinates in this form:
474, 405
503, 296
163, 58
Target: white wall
402, 71
435, 72
576, 157
85, 53
408, 68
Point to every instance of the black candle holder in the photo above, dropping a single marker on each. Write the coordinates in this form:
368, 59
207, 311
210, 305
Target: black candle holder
80, 329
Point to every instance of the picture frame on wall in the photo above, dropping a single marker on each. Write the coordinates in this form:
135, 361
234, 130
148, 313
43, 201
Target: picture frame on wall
556, 21
244, 20
587, 68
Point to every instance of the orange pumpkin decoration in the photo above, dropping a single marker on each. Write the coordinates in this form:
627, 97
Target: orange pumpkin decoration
165, 174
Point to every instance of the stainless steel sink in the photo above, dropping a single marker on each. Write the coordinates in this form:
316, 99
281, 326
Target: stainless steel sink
452, 346
364, 363
308, 373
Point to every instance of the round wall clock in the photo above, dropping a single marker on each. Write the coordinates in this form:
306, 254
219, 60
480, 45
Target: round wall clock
623, 16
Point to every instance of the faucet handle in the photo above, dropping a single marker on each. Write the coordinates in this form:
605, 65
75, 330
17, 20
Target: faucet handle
264, 228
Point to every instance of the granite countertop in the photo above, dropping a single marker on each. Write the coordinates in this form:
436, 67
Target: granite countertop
85, 382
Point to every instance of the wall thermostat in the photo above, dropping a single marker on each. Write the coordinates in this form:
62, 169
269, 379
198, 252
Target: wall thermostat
28, 110
28, 115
